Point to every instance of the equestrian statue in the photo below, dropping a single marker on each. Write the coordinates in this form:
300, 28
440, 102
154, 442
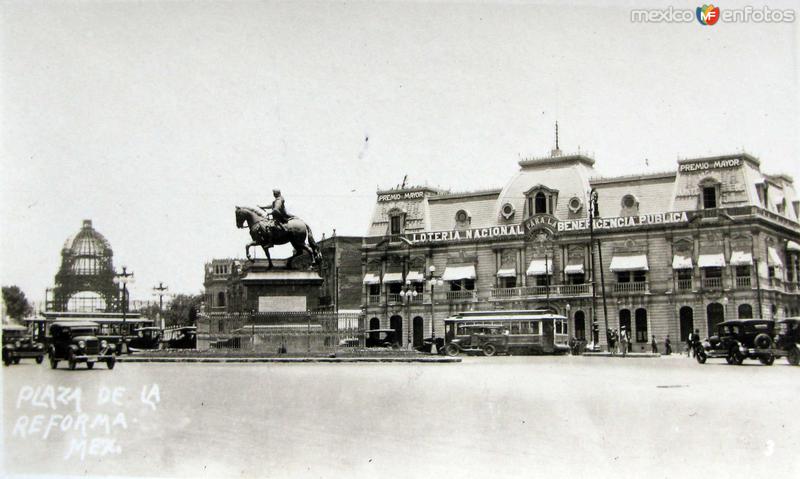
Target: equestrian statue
276, 228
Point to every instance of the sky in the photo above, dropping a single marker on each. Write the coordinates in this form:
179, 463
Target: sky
155, 119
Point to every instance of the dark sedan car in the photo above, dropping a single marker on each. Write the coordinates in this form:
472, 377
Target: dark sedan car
739, 340
789, 339
18, 343
76, 342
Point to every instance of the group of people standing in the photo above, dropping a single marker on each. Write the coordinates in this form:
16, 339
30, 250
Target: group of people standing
619, 342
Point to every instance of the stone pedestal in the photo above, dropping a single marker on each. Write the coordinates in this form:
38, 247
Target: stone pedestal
279, 289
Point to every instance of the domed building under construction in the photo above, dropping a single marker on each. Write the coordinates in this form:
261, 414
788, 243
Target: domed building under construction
85, 281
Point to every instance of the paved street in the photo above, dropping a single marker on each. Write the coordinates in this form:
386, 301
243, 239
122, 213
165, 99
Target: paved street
504, 416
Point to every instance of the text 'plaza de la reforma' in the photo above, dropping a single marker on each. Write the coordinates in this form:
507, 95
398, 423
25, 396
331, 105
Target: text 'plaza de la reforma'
664, 254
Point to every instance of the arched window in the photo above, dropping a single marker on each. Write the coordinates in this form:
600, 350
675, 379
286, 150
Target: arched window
745, 311
419, 331
580, 325
641, 325
396, 323
540, 203
686, 316
221, 299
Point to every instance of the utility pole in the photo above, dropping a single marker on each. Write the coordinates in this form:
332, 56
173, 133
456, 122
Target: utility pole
160, 292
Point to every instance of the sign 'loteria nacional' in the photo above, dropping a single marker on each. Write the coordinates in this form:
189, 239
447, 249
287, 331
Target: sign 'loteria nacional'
513, 231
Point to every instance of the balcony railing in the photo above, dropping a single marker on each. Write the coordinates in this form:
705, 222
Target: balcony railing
542, 291
393, 297
374, 299
712, 283
791, 287
685, 284
632, 287
464, 295
743, 281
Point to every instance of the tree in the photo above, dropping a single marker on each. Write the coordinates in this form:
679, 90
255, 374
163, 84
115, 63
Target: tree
183, 310
17, 305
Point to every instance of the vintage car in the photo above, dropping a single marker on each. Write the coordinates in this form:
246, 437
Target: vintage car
381, 338
18, 343
739, 340
184, 337
77, 342
145, 338
427, 345
486, 339
788, 339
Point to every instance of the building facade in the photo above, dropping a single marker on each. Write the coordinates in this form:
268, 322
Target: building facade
665, 253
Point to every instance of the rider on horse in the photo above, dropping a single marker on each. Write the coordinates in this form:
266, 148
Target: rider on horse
278, 207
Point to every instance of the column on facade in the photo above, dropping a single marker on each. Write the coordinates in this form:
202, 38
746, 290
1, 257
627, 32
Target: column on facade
522, 266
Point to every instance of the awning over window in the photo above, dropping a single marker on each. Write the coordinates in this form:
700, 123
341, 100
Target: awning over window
507, 273
636, 262
574, 268
392, 278
680, 261
792, 246
540, 266
415, 277
774, 257
741, 258
711, 260
372, 278
455, 273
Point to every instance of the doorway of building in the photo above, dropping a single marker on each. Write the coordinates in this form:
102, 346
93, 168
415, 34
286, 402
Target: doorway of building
715, 314
419, 331
686, 318
396, 323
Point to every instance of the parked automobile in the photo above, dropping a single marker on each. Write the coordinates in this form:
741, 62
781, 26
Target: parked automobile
427, 345
788, 339
77, 342
18, 343
184, 337
145, 338
739, 340
381, 338
486, 339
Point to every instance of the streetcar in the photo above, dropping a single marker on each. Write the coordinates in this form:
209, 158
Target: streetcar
506, 332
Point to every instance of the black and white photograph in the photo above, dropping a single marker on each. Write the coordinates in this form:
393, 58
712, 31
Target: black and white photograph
399, 239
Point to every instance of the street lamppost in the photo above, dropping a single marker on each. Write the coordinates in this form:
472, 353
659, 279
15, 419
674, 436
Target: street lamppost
160, 291
124, 278
433, 282
407, 294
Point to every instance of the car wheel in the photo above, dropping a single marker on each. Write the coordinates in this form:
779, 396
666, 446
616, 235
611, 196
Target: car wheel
110, 363
489, 349
700, 355
89, 365
794, 356
451, 350
762, 341
7, 361
39, 359
53, 363
729, 359
767, 360
16, 360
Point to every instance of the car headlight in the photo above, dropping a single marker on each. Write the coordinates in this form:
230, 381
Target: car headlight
111, 347
17, 344
39, 346
81, 344
104, 344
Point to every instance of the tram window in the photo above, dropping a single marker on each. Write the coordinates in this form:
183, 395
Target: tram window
535, 327
564, 327
515, 328
525, 327
507, 325
558, 327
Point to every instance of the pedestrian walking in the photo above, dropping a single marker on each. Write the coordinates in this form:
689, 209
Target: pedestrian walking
654, 345
623, 341
694, 341
667, 346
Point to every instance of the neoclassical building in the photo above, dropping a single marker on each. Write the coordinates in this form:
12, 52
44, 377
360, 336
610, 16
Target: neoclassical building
666, 253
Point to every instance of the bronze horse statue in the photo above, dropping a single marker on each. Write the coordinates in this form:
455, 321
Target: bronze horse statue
267, 233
